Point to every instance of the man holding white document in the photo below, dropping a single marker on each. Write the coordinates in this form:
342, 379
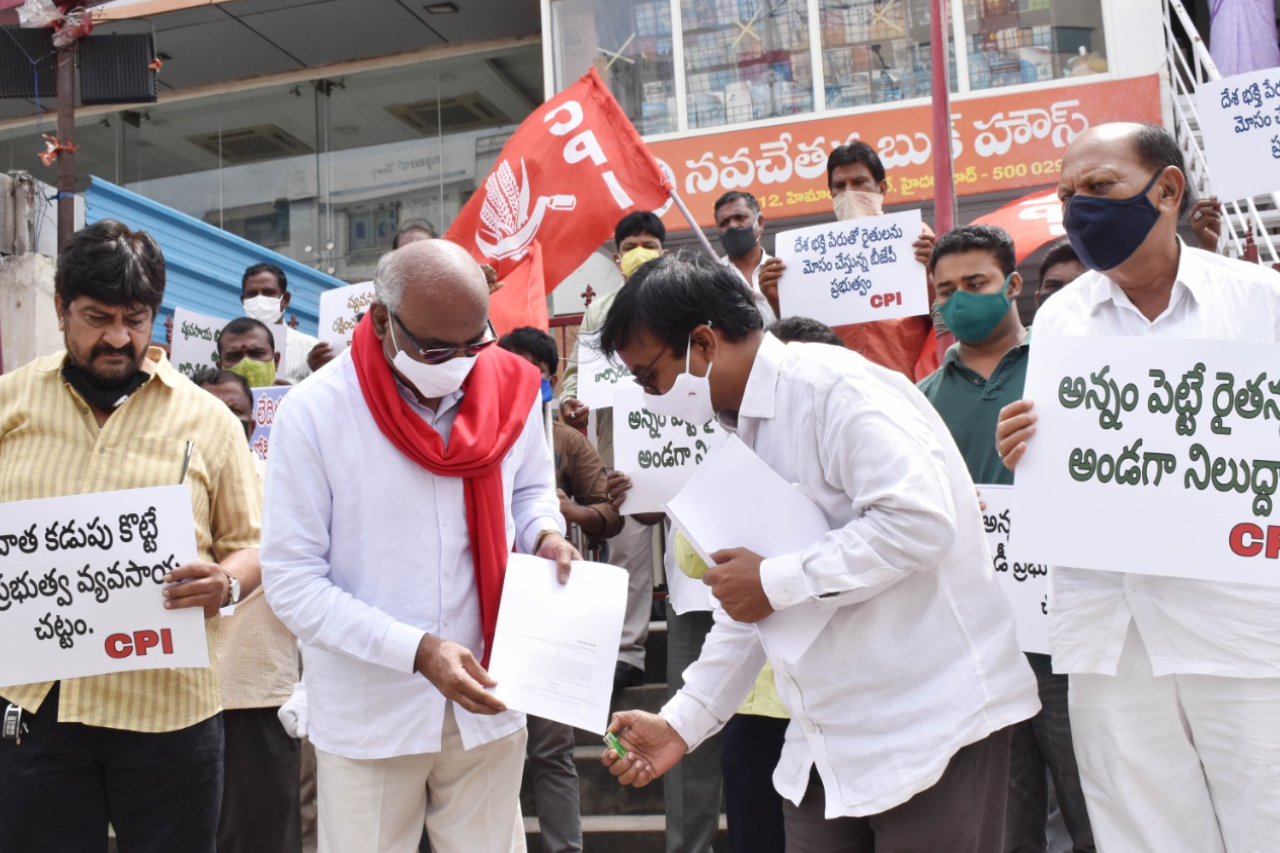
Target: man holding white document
402, 475
902, 701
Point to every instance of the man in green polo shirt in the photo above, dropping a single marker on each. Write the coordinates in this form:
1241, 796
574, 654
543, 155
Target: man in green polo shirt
976, 283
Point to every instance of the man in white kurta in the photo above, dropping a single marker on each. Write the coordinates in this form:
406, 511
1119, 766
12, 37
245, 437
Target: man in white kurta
1175, 683
900, 707
368, 560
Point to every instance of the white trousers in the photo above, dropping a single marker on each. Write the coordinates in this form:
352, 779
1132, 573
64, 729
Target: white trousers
468, 799
1177, 763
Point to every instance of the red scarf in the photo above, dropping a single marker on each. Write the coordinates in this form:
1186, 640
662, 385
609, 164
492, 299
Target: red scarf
499, 395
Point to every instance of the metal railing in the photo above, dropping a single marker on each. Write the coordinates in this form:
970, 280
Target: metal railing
1190, 65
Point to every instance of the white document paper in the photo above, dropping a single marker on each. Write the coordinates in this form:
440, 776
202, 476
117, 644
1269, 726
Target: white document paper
598, 376
1024, 581
339, 309
195, 341
1241, 132
81, 584
735, 500
556, 645
855, 271
657, 452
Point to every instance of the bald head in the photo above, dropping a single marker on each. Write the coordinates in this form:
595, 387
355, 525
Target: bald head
1140, 148
435, 271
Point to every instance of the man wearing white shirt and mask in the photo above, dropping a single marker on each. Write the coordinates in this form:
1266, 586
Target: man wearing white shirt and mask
401, 476
264, 293
1174, 683
901, 706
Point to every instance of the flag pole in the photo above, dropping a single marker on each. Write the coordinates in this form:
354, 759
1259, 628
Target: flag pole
702, 238
944, 200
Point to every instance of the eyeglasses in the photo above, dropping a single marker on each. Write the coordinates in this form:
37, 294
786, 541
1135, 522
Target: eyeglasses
443, 354
644, 371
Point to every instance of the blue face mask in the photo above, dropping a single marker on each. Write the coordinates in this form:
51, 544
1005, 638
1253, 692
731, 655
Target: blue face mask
972, 317
1105, 232
546, 391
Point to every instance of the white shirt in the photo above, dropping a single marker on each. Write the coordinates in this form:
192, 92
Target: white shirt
920, 657
1188, 626
766, 310
297, 346
364, 552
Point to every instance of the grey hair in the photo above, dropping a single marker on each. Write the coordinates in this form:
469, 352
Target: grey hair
388, 282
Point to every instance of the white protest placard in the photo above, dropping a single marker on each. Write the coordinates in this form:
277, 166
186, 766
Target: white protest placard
658, 453
556, 644
340, 309
1241, 128
1025, 582
855, 271
195, 341
265, 403
598, 376
81, 581
1152, 455
735, 500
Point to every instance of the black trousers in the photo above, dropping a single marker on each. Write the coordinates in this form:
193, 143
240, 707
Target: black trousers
962, 813
261, 799
65, 782
749, 753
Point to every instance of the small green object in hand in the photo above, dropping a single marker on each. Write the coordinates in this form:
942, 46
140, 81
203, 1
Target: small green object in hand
611, 741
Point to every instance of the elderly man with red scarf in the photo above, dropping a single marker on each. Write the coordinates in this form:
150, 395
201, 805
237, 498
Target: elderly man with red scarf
401, 476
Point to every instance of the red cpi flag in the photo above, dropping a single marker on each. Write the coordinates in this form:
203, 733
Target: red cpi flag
1031, 221
575, 166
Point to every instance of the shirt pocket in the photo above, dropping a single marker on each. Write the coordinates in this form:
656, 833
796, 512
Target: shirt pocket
158, 461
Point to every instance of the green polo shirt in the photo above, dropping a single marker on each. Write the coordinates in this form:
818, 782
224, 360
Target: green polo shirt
970, 405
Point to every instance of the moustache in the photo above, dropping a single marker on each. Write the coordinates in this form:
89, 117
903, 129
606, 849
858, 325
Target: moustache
128, 351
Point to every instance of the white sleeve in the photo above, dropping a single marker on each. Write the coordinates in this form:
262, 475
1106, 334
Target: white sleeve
718, 682
885, 454
534, 505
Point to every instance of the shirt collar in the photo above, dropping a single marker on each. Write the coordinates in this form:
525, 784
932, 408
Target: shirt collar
1191, 276
760, 396
952, 355
764, 256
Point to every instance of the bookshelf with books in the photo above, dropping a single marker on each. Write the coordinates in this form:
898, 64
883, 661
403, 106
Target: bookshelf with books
876, 51
1011, 42
746, 60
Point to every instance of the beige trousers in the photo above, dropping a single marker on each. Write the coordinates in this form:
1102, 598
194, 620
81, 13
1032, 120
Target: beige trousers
468, 799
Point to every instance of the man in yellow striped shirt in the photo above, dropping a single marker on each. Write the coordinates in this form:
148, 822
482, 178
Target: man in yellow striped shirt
141, 750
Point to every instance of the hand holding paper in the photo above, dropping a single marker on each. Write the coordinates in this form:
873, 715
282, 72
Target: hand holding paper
735, 582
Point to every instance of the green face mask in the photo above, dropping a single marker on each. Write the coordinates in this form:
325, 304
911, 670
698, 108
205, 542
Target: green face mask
259, 374
972, 317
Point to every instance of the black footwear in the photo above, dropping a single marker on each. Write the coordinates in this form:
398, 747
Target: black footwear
625, 675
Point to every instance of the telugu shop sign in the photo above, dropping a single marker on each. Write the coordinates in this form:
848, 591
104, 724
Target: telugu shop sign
999, 142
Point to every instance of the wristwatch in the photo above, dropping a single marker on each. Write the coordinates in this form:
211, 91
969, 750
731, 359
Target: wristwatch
233, 589
537, 543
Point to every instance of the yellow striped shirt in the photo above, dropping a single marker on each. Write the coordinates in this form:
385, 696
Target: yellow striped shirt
51, 446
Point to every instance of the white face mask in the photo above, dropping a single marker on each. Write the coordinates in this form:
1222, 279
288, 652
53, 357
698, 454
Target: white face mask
431, 380
264, 309
689, 398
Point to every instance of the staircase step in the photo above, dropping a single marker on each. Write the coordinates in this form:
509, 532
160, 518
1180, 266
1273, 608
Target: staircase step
622, 834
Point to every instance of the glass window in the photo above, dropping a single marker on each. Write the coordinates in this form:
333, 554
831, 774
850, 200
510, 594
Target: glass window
876, 51
1026, 41
628, 42
746, 60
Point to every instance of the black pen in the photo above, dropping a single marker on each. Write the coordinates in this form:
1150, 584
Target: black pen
186, 462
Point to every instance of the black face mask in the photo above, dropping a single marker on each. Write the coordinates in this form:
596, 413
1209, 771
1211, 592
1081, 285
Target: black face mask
104, 398
737, 242
1105, 232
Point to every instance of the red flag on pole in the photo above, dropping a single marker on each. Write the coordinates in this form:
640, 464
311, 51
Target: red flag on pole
1031, 221
566, 176
522, 299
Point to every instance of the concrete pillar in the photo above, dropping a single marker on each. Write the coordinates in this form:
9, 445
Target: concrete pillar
28, 323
